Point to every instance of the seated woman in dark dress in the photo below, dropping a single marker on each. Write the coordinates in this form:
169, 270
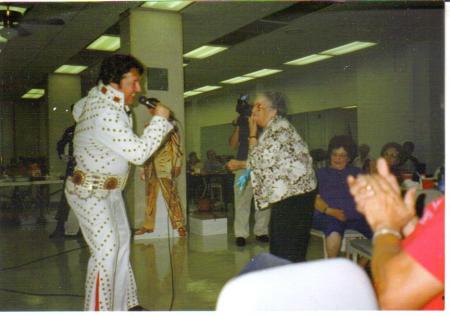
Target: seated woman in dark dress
335, 208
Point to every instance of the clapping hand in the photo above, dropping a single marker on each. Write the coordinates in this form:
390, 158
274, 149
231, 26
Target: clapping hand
378, 198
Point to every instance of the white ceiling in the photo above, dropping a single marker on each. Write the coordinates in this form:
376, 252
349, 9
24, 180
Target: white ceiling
26, 61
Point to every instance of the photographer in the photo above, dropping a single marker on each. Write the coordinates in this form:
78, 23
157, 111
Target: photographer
242, 200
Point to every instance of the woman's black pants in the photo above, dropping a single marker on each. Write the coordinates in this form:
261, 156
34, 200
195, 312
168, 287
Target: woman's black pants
290, 225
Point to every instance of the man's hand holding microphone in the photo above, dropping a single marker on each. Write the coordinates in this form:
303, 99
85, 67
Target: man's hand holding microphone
155, 107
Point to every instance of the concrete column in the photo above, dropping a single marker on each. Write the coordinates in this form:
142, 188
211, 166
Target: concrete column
63, 91
155, 38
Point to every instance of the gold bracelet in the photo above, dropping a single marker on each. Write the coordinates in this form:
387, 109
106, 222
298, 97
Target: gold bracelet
386, 231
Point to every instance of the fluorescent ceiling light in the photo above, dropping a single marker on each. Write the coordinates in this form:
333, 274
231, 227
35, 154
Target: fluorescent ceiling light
184, 65
262, 73
37, 91
14, 8
350, 107
253, 75
31, 96
108, 43
34, 94
166, 5
70, 69
237, 80
207, 88
348, 48
205, 51
200, 90
191, 93
307, 60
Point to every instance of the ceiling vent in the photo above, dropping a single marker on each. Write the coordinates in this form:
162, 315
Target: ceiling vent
270, 23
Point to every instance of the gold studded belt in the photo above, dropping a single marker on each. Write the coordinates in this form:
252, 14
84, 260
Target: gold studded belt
94, 181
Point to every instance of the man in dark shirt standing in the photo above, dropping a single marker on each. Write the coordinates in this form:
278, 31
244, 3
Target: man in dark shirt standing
64, 208
243, 199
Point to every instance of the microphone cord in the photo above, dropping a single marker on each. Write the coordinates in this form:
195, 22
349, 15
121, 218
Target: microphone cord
35, 261
40, 259
169, 229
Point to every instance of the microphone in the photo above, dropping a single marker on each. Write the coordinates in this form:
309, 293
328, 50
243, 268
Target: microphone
148, 102
151, 104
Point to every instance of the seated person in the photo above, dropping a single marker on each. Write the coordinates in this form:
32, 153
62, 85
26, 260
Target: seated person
391, 153
319, 157
362, 161
408, 254
335, 209
212, 164
194, 165
34, 170
195, 184
408, 163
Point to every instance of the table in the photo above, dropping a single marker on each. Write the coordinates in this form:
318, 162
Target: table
30, 183
225, 181
40, 199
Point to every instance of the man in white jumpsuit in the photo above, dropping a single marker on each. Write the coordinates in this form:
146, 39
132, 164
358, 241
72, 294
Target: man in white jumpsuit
104, 145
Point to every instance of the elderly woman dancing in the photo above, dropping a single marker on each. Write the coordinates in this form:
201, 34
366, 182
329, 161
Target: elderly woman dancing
282, 176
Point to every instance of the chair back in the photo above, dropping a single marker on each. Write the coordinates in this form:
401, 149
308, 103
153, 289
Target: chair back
333, 284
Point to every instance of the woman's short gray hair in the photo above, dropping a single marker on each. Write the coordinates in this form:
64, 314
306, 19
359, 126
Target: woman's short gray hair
277, 101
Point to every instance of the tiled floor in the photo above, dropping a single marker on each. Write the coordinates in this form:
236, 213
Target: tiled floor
201, 266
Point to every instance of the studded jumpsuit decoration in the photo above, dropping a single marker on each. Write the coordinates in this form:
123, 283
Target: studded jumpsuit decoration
104, 145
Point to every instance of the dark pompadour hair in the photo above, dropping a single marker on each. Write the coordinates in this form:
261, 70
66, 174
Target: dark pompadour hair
344, 141
114, 67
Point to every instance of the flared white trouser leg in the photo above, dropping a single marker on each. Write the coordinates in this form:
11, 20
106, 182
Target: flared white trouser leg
110, 283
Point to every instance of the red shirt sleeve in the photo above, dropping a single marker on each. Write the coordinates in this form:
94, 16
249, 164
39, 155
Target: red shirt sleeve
426, 246
426, 243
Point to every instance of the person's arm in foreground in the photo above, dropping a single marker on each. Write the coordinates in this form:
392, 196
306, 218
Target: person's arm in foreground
233, 141
400, 281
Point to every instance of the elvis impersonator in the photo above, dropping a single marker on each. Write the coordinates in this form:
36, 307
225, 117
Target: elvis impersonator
104, 145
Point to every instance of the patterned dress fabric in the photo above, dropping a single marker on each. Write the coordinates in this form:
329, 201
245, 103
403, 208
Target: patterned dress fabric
281, 164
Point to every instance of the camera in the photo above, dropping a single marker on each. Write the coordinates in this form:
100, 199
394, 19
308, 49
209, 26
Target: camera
244, 109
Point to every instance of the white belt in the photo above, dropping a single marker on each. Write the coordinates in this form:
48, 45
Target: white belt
94, 181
